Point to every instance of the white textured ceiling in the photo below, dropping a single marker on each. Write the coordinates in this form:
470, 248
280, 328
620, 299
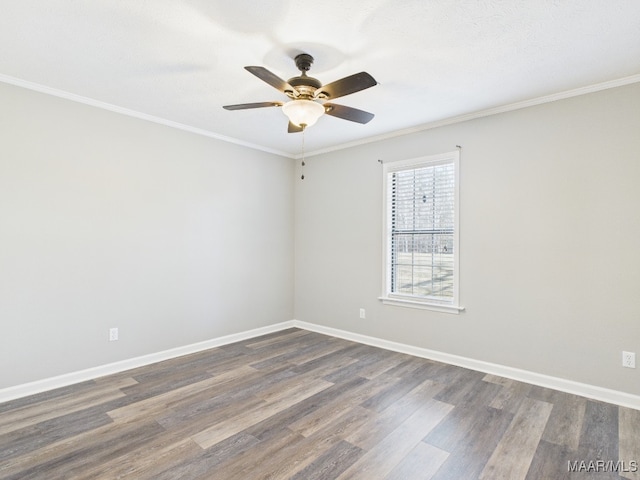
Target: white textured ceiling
181, 60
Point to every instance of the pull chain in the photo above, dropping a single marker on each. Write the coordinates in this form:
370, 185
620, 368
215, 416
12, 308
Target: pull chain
302, 164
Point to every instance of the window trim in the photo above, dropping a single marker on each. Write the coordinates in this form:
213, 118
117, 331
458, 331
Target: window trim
411, 301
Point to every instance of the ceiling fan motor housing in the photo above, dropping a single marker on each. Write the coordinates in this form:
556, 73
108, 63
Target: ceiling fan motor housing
304, 81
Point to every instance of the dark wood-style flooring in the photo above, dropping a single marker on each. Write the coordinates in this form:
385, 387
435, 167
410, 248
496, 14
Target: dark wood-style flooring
300, 405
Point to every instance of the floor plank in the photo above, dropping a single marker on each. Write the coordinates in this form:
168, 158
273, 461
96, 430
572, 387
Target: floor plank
470, 445
513, 455
629, 447
382, 424
245, 419
421, 463
565, 422
382, 458
330, 464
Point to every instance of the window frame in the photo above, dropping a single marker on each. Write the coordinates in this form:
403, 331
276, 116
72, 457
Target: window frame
416, 301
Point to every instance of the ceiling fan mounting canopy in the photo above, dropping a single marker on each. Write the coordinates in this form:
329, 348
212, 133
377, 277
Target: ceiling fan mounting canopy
306, 92
303, 62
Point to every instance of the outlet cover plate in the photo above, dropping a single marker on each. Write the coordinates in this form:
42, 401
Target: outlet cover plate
629, 359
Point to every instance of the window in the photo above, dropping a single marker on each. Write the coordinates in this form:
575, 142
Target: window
421, 232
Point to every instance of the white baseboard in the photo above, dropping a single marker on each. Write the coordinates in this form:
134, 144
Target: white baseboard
590, 391
26, 389
569, 386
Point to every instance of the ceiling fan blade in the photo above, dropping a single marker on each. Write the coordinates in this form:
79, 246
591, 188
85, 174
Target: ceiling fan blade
270, 78
348, 113
348, 85
245, 106
293, 128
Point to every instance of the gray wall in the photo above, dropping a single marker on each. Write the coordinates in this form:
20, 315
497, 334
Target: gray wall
110, 221
550, 229
106, 220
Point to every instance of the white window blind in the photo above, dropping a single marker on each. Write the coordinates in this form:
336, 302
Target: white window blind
421, 230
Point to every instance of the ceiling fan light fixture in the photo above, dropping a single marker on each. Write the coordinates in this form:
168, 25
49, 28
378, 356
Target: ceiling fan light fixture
303, 112
307, 95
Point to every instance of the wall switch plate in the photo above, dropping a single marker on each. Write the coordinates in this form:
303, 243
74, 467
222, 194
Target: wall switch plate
113, 334
363, 313
629, 359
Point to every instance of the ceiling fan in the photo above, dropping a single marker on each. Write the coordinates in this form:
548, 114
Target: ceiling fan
308, 97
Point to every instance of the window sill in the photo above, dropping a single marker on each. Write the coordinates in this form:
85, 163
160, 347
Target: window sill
436, 307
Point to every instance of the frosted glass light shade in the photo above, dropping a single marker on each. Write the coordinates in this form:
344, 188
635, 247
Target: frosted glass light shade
303, 112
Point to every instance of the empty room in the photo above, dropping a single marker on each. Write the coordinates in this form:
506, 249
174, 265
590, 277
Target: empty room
320, 240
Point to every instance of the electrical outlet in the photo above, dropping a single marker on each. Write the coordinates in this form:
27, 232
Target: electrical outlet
363, 314
113, 334
629, 359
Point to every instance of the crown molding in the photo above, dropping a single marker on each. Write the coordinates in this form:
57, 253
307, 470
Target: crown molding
482, 113
135, 114
376, 138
